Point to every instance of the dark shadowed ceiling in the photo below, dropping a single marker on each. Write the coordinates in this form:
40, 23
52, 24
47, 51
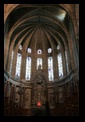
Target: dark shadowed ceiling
38, 27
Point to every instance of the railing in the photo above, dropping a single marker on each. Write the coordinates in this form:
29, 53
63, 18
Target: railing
10, 79
60, 82
65, 79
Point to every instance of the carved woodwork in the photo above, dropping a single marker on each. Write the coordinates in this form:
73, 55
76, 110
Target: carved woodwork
39, 90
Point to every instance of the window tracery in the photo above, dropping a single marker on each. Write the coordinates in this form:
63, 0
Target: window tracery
11, 61
39, 63
28, 68
49, 50
60, 66
50, 69
29, 50
18, 65
39, 51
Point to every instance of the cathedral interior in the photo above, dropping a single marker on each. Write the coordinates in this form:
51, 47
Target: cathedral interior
41, 59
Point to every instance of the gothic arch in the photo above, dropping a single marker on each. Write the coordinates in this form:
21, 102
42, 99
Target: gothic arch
8, 8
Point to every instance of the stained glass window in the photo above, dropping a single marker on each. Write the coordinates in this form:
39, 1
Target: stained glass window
39, 51
18, 65
28, 68
58, 47
20, 47
11, 61
39, 62
29, 50
66, 61
60, 66
50, 69
49, 50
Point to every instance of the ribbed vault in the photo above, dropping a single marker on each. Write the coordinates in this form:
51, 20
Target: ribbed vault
37, 26
31, 77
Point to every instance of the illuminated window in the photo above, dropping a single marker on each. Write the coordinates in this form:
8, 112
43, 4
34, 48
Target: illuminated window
60, 67
61, 16
50, 69
28, 68
58, 47
39, 62
39, 51
20, 47
66, 61
18, 65
11, 61
49, 50
29, 50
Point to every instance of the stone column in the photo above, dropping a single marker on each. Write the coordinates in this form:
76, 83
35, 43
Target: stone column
21, 97
60, 90
56, 94
63, 62
23, 65
45, 56
27, 98
5, 89
45, 65
68, 60
11, 94
24, 97
65, 89
10, 58
33, 63
8, 92
14, 94
14, 62
55, 64
51, 95
74, 56
6, 48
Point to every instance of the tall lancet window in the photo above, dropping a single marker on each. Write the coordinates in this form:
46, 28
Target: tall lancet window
11, 61
50, 69
28, 68
18, 65
39, 62
20, 47
66, 61
60, 66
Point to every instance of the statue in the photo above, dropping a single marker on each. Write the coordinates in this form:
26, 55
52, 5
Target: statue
39, 80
